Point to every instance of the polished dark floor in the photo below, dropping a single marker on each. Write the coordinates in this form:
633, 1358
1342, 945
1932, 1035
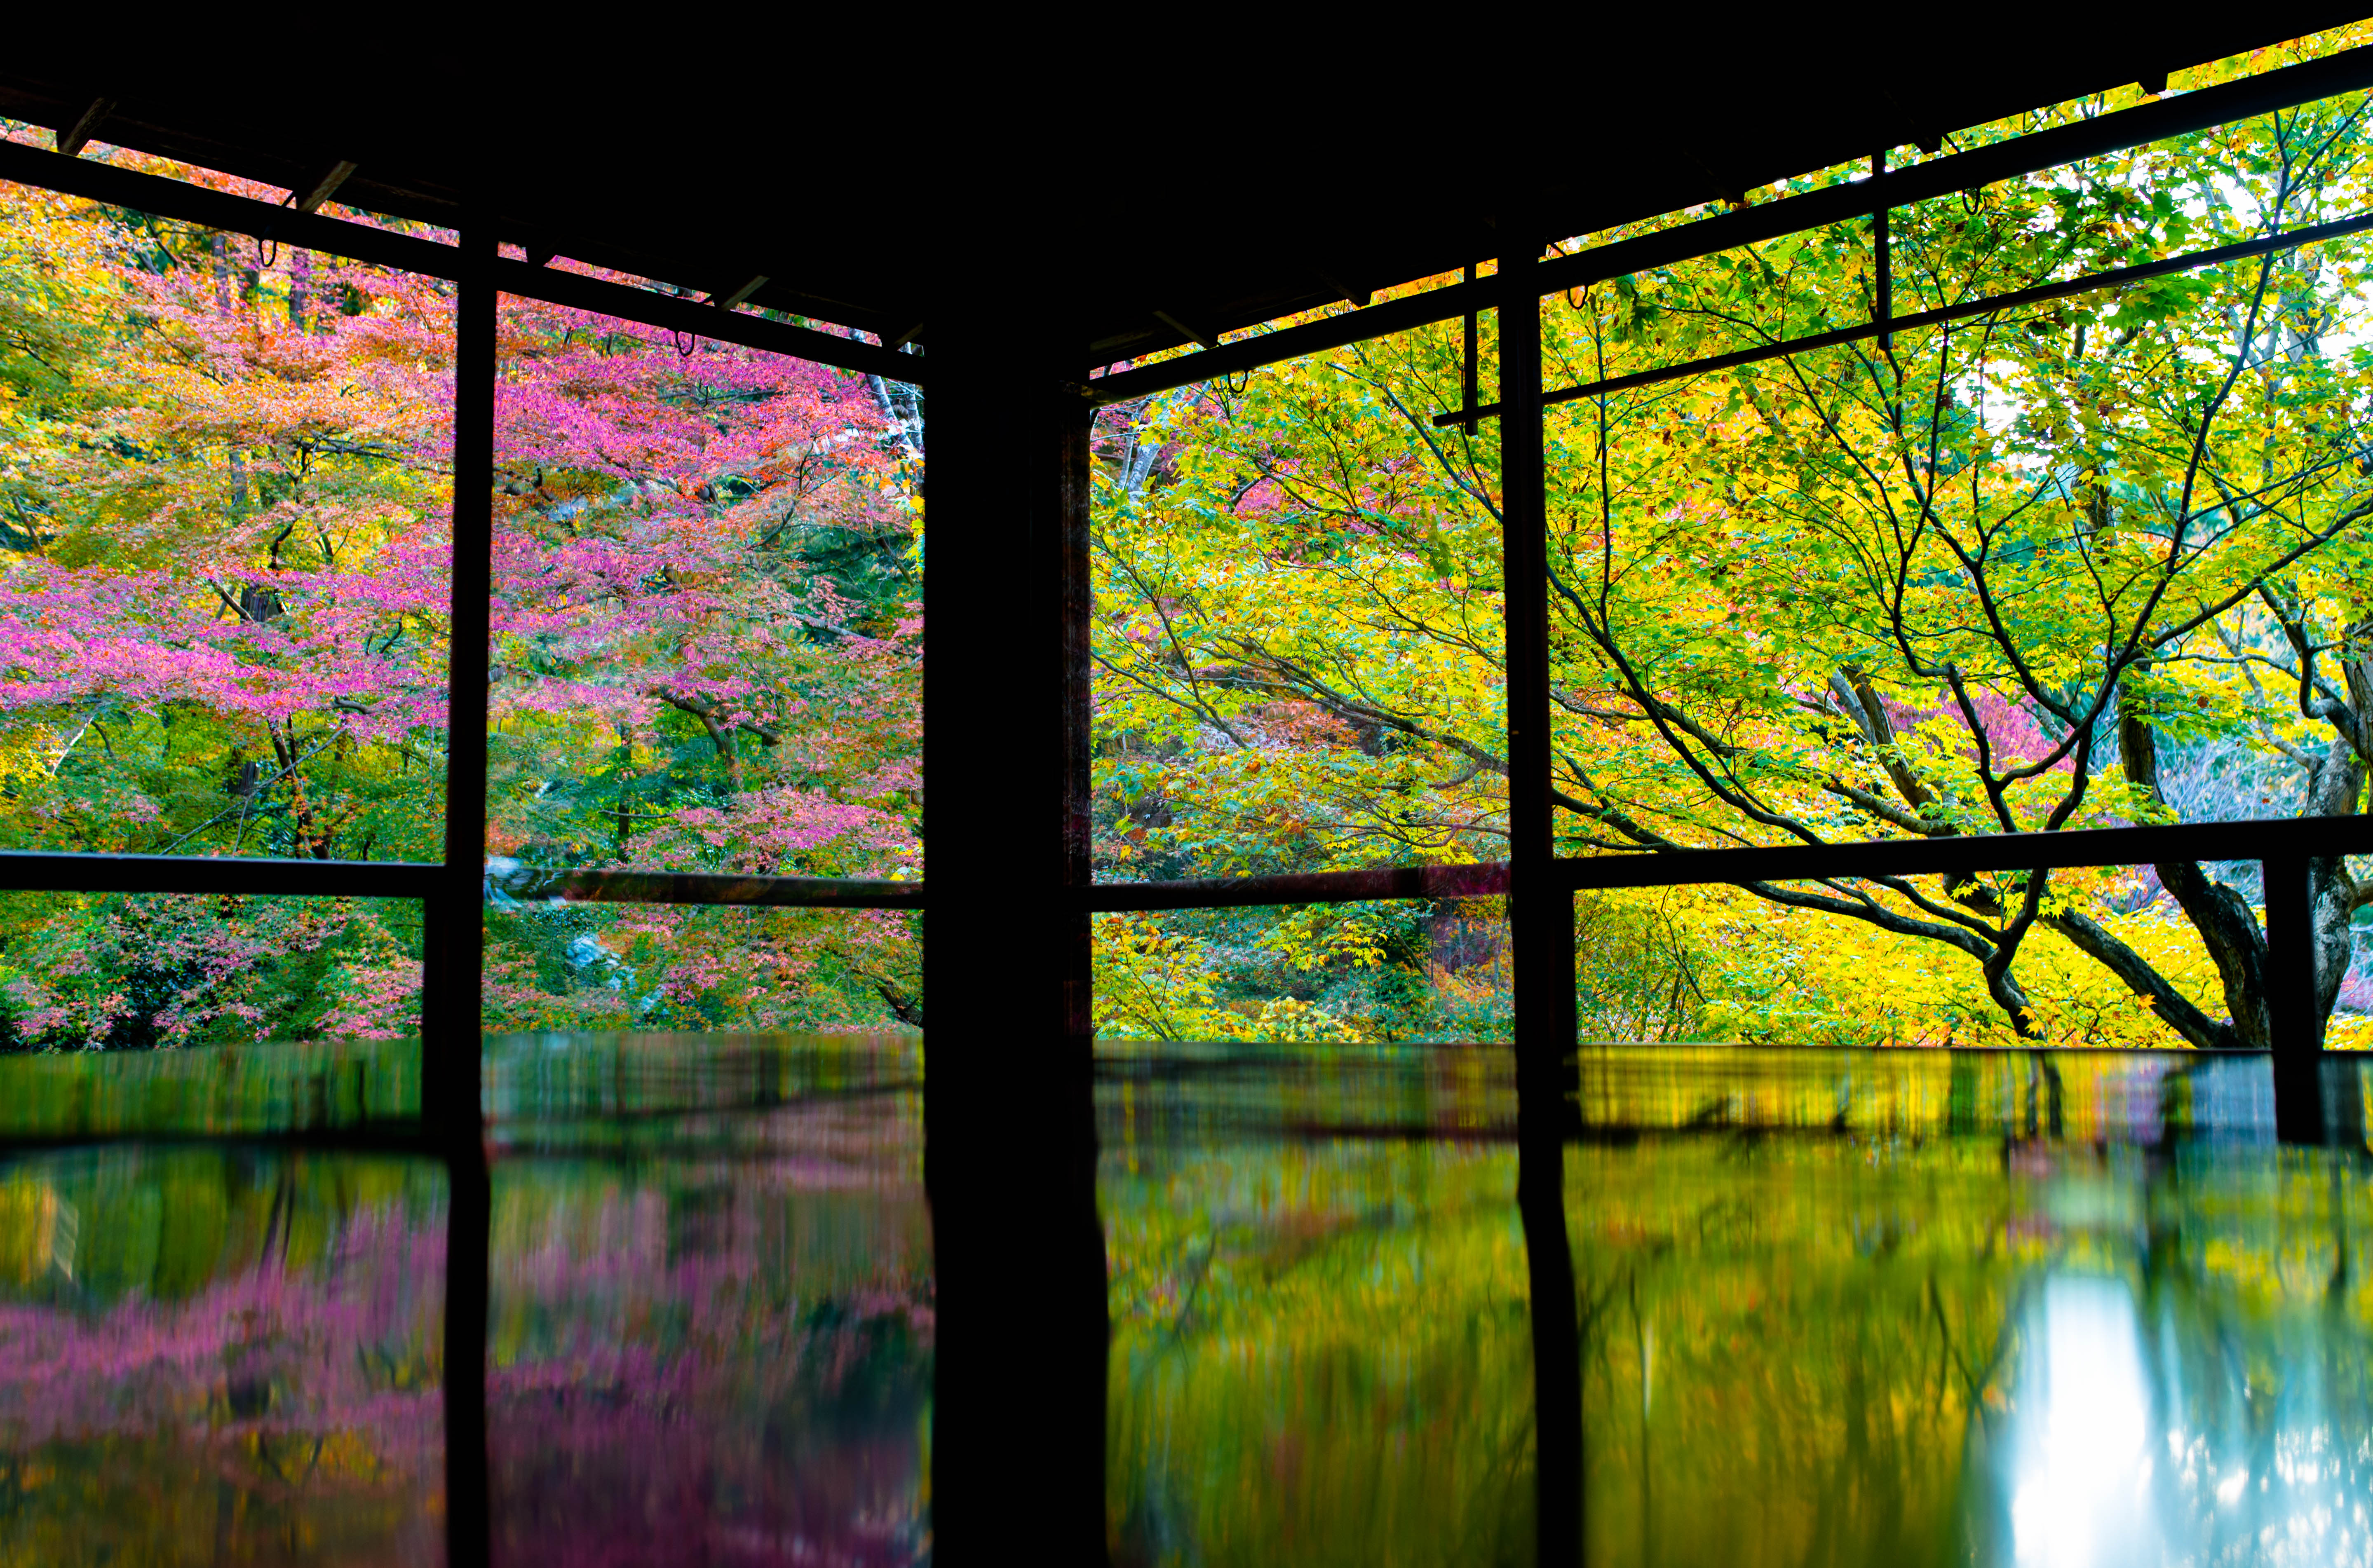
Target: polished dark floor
1835, 1307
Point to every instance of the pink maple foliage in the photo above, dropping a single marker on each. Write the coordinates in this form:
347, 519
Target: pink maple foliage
224, 627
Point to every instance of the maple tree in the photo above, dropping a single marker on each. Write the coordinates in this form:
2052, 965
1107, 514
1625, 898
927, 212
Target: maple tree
2090, 563
224, 591
708, 636
2098, 561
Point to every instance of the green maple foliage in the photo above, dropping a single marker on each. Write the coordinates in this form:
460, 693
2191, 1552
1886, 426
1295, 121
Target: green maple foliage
2092, 560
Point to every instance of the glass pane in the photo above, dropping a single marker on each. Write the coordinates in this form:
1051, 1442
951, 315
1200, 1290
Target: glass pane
711, 1342
1298, 639
1379, 972
1320, 1349
708, 619
222, 1352
225, 541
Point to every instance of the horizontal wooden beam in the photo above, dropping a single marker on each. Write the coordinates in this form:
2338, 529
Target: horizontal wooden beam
324, 185
105, 183
1787, 863
37, 871
697, 318
33, 871
1969, 310
1485, 879
2349, 71
207, 208
74, 137
1970, 853
530, 883
731, 300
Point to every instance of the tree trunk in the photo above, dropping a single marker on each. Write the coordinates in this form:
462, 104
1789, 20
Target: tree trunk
2227, 928
222, 307
2335, 788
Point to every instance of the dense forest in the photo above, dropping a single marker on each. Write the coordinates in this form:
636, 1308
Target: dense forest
224, 598
2099, 560
2096, 561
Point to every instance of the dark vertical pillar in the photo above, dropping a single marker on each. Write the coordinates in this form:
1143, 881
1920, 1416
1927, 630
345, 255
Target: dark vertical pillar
449, 1039
2297, 1023
1471, 357
1541, 917
1882, 301
1074, 422
1018, 1414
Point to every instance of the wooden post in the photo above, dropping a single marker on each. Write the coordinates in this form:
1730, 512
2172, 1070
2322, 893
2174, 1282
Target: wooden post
2297, 1022
1018, 1413
1540, 911
450, 1041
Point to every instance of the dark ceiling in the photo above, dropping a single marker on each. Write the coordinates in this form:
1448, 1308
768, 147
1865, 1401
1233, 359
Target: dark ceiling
1176, 172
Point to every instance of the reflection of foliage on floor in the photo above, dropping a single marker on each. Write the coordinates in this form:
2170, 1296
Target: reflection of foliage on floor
225, 1090
1320, 1355
207, 1355
689, 1356
1777, 1324
215, 1354
1818, 1350
2126, 1096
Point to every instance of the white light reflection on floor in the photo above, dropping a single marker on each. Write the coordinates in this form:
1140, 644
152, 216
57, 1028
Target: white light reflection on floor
2130, 1444
2081, 1487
